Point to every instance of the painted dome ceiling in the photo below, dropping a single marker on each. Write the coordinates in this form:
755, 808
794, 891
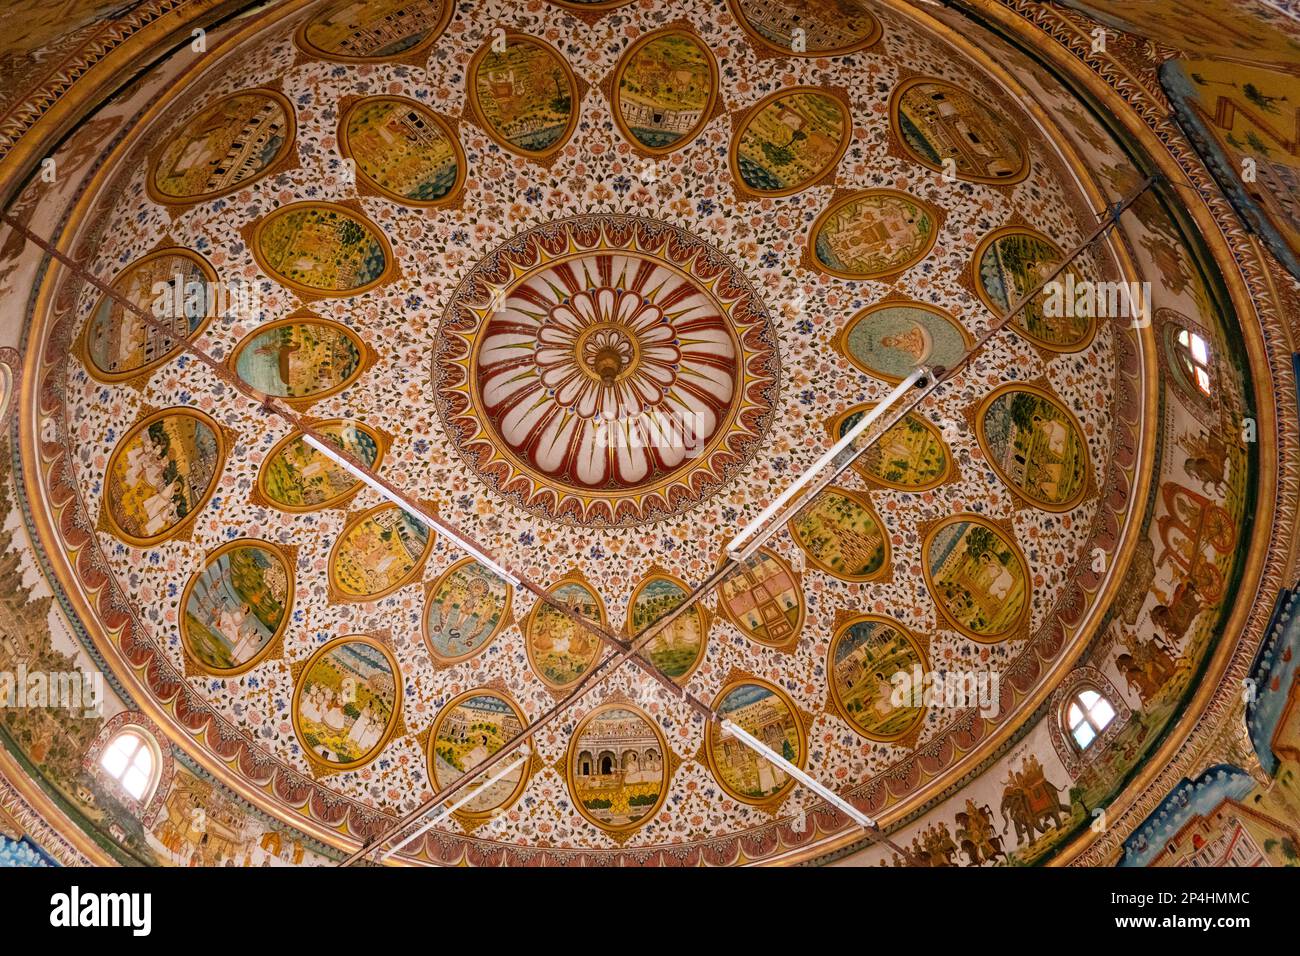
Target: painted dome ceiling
593, 283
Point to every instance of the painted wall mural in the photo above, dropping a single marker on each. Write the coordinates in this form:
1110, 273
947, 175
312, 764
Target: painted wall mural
525, 96
977, 576
790, 140
297, 477
118, 345
379, 551
808, 27
874, 234
347, 702
1009, 264
322, 249
301, 359
479, 255
1035, 445
768, 714
939, 123
618, 767
226, 146
470, 729
237, 606
866, 652
374, 31
891, 339
466, 608
665, 90
403, 149
560, 651
161, 474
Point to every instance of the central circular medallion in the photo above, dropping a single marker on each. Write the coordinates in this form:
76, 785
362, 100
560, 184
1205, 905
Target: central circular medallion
606, 370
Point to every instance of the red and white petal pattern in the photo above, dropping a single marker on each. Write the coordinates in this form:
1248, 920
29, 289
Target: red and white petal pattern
586, 387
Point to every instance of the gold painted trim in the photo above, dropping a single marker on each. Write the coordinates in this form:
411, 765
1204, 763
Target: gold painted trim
439, 582
477, 816
82, 347
451, 196
394, 718
895, 103
172, 531
742, 120
772, 800
182, 612
838, 701
936, 214
571, 759
382, 444
862, 500
254, 237
472, 96
1005, 536
1058, 507
984, 245
286, 151
840, 342
706, 115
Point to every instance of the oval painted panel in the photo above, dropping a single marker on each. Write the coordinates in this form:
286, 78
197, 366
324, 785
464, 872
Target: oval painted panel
526, 96
297, 477
469, 730
118, 344
866, 658
937, 122
1035, 445
465, 609
842, 535
161, 474
665, 88
764, 599
977, 577
677, 649
768, 714
300, 358
618, 767
829, 27
1012, 262
873, 234
349, 31
347, 701
790, 140
910, 456
560, 650
891, 339
235, 608
377, 553
232, 143
322, 249
403, 149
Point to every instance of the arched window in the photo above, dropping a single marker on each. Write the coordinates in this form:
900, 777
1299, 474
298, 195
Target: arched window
1194, 352
130, 760
1087, 716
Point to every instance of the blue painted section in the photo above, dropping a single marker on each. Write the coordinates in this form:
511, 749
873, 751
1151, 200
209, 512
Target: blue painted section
1274, 673
23, 852
1191, 798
